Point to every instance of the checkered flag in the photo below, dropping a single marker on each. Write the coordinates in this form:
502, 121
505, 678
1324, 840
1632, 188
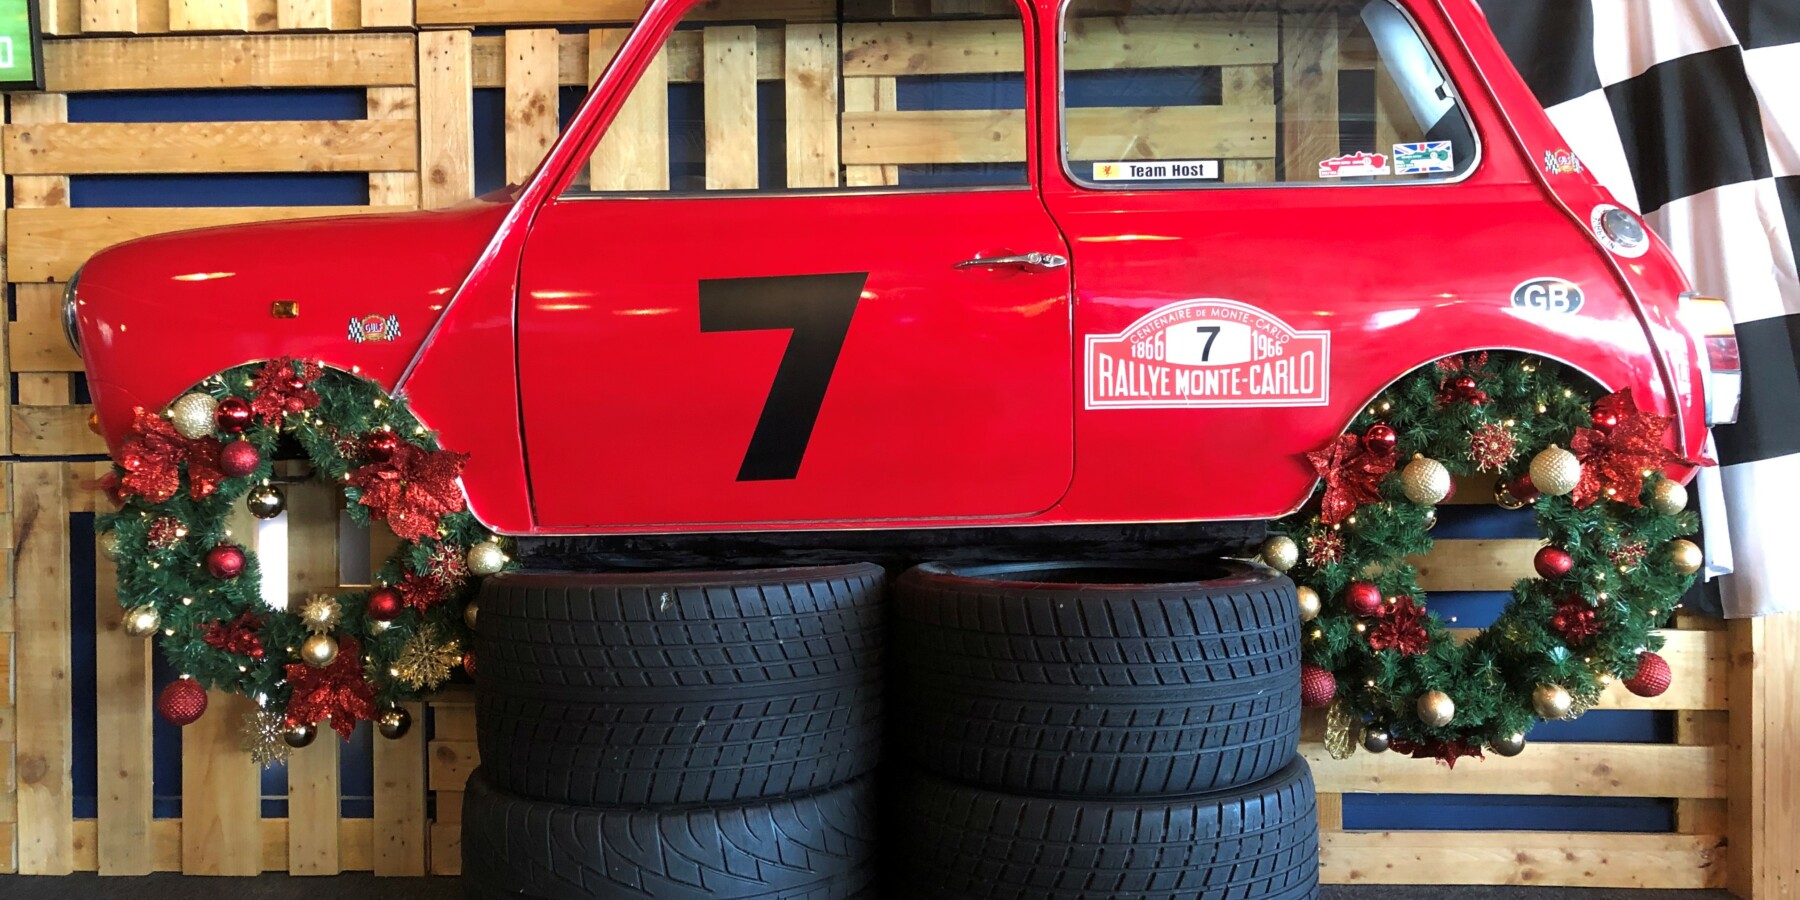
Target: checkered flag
1689, 111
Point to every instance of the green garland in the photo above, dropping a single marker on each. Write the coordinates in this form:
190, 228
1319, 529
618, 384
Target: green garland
221, 632
1629, 569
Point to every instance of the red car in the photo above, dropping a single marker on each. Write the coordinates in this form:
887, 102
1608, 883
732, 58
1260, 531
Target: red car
1013, 265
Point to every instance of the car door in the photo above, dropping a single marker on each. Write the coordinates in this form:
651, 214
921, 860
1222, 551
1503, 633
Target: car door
797, 316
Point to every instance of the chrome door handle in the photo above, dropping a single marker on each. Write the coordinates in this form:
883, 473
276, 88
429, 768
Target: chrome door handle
1042, 262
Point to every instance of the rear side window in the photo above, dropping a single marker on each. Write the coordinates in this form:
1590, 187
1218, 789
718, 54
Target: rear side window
1197, 93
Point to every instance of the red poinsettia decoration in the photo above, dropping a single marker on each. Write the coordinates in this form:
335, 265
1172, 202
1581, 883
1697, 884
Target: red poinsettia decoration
1446, 751
412, 489
1401, 627
284, 386
338, 692
1352, 476
1576, 621
1463, 376
152, 457
237, 636
444, 575
1613, 461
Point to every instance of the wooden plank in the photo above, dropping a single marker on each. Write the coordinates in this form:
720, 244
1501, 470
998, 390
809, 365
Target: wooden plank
124, 761
1477, 565
50, 244
54, 430
1252, 86
998, 135
1095, 43
1581, 770
8, 865
1764, 810
618, 12
812, 106
92, 148
1704, 729
229, 61
386, 14
109, 16
451, 764
869, 95
633, 154
304, 15
684, 57
531, 114
221, 788
44, 745
397, 108
313, 796
446, 843
730, 86
35, 341
400, 822
59, 16
1539, 859
446, 119
453, 722
1309, 61
209, 15
272, 834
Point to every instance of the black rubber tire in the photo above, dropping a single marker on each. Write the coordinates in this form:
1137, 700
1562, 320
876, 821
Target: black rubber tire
680, 688
810, 847
1257, 842
1134, 679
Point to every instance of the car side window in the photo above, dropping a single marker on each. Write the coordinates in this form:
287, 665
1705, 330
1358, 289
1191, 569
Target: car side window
780, 95
1201, 93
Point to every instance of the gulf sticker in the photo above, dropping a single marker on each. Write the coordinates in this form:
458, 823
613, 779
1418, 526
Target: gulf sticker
1201, 354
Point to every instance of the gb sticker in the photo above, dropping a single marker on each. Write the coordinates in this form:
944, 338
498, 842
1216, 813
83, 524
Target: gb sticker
1550, 295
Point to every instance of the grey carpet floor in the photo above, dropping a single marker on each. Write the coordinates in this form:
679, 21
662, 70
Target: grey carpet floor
365, 887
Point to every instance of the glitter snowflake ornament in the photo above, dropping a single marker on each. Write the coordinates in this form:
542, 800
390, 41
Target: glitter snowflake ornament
1492, 446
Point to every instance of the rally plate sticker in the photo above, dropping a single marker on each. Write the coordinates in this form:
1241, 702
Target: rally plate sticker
1204, 354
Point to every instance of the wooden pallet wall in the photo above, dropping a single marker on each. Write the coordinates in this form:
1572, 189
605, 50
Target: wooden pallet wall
1731, 771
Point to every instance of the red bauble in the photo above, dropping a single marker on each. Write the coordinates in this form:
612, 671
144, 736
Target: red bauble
385, 604
225, 561
182, 702
1380, 439
239, 458
469, 665
1553, 563
1318, 687
379, 446
234, 415
1363, 598
1652, 676
1523, 490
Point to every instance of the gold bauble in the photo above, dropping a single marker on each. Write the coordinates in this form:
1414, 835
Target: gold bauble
1510, 745
1436, 709
1552, 701
1686, 555
109, 544
1280, 552
1425, 481
486, 558
141, 620
300, 735
1555, 471
1430, 519
193, 415
320, 613
319, 650
265, 501
394, 723
1670, 498
470, 612
1503, 497
1376, 739
1308, 600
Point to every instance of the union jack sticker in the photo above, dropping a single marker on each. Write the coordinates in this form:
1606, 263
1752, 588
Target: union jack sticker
373, 329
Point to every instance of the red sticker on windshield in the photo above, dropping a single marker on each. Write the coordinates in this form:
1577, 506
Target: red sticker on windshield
1208, 353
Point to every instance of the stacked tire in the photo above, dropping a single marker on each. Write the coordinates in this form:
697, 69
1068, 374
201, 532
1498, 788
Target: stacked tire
677, 736
1078, 732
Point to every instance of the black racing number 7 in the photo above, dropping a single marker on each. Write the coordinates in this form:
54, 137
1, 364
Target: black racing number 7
818, 309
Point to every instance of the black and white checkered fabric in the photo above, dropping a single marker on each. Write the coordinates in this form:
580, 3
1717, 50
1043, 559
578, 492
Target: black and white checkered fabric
1689, 111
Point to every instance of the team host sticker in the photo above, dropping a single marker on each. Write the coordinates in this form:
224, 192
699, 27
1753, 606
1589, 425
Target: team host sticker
1201, 354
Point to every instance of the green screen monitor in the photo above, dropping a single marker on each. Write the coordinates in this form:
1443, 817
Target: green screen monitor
21, 46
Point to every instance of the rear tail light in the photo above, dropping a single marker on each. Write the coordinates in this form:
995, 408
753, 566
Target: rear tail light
1711, 321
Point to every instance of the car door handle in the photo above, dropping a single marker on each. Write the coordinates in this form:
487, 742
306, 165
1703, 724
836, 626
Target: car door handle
1041, 262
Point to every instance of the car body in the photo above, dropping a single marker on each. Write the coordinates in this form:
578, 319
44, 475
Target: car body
750, 361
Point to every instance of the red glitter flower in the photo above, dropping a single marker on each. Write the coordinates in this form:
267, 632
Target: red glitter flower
338, 692
1401, 627
236, 636
284, 386
412, 490
1352, 476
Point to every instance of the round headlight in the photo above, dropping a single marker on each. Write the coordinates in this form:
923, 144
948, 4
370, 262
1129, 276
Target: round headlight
70, 325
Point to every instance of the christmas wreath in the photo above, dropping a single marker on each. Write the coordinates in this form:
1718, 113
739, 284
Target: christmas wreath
1614, 566
342, 657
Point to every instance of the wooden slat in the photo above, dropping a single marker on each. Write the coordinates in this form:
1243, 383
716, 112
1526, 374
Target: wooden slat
60, 16
1703, 728
313, 797
619, 12
1580, 770
1539, 859
1477, 565
812, 106
730, 89
451, 764
8, 863
124, 761
35, 342
54, 430
50, 244
446, 117
453, 721
163, 147
306, 15
109, 16
987, 46
45, 740
575, 65
397, 108
276, 60
400, 820
1252, 86
633, 154
446, 842
531, 115
1764, 810
994, 136
356, 843
1309, 55
865, 96
209, 15
220, 793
